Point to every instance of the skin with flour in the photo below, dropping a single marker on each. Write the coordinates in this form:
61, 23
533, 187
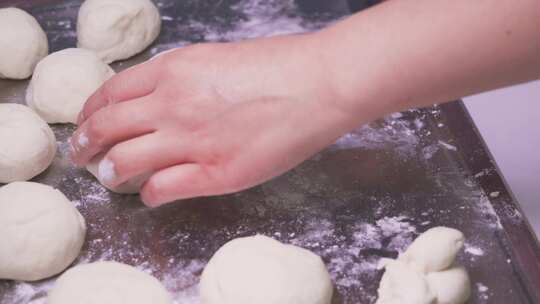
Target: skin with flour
218, 118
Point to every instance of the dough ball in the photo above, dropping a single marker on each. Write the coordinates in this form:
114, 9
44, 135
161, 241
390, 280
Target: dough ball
424, 273
101, 169
261, 270
117, 29
28, 143
107, 282
435, 249
401, 284
451, 286
42, 232
22, 43
62, 83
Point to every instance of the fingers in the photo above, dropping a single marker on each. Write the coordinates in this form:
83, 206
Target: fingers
135, 82
110, 125
143, 155
178, 182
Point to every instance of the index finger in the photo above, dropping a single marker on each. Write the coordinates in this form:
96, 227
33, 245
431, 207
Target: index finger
137, 81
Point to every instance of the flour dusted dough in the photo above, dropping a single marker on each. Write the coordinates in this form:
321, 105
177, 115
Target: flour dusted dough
107, 282
22, 43
425, 272
27, 143
261, 270
62, 83
117, 29
41, 232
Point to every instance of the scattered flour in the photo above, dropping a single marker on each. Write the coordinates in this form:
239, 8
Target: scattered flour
483, 290
392, 131
265, 18
473, 250
448, 146
353, 256
494, 194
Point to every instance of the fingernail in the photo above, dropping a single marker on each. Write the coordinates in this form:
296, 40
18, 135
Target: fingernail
106, 173
83, 140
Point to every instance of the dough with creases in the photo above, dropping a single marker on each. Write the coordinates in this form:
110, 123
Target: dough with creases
262, 270
22, 43
62, 83
117, 29
107, 282
434, 250
41, 232
425, 273
28, 144
403, 284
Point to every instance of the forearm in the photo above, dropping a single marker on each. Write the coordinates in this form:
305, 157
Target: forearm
404, 54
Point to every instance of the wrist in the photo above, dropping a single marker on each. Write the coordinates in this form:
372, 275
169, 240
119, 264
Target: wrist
351, 90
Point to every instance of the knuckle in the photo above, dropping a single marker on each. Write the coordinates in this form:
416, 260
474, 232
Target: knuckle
95, 129
107, 91
174, 62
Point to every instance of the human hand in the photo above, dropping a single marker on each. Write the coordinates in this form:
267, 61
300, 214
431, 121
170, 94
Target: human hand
212, 119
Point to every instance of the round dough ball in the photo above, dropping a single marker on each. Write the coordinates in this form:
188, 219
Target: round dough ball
117, 29
452, 286
22, 43
261, 270
62, 83
434, 250
107, 282
42, 232
28, 143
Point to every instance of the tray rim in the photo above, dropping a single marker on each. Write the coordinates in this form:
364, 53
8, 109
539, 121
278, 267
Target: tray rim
520, 243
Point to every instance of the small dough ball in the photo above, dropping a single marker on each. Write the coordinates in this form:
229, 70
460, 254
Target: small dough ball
22, 43
42, 232
451, 286
101, 169
401, 284
434, 250
117, 29
62, 83
28, 143
107, 282
261, 270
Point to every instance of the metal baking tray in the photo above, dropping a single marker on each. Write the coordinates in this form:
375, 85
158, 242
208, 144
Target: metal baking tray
363, 198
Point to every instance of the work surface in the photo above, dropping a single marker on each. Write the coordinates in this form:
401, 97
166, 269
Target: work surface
365, 197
